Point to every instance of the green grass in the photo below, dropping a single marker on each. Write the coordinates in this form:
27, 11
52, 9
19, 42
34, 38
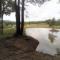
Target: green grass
7, 33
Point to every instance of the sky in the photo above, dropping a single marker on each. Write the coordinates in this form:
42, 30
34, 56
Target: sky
48, 10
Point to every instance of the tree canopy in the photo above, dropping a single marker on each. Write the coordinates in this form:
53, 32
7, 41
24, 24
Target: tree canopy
9, 5
39, 2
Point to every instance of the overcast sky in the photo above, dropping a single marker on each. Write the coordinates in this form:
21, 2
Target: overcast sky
47, 10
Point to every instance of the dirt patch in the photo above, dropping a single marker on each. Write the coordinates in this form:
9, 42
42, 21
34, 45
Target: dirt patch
22, 48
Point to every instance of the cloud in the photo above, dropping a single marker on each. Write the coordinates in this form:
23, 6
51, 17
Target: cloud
10, 17
47, 10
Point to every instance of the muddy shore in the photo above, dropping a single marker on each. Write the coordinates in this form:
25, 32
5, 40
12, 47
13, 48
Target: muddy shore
22, 48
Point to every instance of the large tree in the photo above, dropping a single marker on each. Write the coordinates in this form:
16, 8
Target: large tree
1, 18
39, 2
6, 7
17, 6
10, 5
22, 18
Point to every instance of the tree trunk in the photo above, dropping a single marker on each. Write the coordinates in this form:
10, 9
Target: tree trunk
22, 18
18, 32
1, 18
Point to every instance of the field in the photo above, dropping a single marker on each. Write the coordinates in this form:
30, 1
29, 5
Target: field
36, 25
42, 24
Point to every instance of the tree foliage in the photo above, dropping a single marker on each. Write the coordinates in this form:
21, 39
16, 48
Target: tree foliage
39, 2
11, 6
8, 6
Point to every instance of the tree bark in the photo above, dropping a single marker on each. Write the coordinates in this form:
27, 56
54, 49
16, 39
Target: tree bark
1, 17
18, 32
22, 18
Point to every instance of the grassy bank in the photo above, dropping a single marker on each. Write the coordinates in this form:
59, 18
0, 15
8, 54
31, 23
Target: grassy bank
10, 29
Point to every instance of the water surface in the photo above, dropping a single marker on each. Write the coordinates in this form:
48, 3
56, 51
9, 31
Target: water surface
49, 41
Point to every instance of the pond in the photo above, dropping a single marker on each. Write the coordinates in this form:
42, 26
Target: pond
49, 39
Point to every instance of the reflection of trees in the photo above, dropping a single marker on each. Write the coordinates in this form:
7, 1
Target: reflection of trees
58, 51
51, 37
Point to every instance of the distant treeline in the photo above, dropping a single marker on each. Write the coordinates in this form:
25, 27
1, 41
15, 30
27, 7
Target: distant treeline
9, 22
53, 22
35, 22
56, 22
46, 21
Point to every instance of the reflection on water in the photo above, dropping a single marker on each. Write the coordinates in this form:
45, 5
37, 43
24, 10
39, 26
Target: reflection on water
52, 36
49, 40
58, 51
